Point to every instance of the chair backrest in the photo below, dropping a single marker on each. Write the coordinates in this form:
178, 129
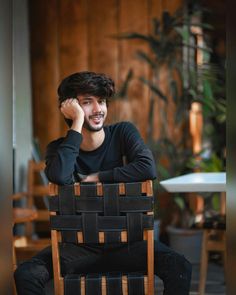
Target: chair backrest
102, 213
37, 196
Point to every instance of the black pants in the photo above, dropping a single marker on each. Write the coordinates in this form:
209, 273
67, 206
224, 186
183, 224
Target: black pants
175, 271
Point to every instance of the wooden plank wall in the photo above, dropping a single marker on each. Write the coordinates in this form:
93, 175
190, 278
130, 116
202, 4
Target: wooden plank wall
73, 35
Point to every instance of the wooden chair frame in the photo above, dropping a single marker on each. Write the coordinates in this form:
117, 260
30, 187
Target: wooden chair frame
25, 245
147, 235
208, 244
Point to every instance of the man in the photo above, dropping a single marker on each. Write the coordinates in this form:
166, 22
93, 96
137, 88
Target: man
92, 152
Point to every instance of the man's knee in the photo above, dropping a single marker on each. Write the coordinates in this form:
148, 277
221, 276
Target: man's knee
173, 266
184, 267
32, 272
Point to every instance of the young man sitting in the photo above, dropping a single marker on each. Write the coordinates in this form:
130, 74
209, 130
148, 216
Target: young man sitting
92, 152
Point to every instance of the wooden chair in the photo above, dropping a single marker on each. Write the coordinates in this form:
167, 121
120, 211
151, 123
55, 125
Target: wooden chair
27, 245
112, 212
20, 215
214, 239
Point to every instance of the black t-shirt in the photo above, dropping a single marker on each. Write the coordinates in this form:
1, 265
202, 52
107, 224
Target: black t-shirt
67, 163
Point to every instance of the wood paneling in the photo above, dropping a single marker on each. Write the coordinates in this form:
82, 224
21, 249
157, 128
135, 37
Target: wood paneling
164, 112
71, 36
44, 66
133, 18
103, 50
72, 41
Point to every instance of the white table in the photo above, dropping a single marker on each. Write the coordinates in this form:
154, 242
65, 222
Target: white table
202, 182
196, 182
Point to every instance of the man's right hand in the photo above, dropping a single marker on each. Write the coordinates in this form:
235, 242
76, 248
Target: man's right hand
71, 109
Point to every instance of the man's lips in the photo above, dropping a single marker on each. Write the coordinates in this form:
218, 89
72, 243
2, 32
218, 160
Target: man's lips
96, 118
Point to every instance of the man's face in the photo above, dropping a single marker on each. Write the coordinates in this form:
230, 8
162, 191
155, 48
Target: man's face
95, 111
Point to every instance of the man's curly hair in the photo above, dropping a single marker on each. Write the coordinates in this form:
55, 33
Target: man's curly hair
86, 82
81, 83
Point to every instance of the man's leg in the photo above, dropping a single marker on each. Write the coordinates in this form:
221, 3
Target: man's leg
31, 276
173, 268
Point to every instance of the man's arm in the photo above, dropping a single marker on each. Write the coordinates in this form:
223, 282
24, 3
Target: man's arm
61, 158
140, 162
61, 154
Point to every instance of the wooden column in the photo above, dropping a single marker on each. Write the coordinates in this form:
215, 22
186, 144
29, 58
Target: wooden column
133, 18
72, 42
44, 66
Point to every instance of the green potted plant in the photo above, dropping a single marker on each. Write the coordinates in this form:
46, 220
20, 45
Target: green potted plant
171, 37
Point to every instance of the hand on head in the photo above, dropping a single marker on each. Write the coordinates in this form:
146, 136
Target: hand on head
71, 109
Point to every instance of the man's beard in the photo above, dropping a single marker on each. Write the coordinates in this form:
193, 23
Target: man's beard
89, 127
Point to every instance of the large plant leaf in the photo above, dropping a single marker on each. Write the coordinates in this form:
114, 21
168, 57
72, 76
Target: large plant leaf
199, 25
154, 89
143, 56
196, 47
122, 92
181, 112
133, 35
174, 91
180, 202
184, 33
207, 91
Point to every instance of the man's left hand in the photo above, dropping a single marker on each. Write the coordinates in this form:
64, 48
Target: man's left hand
91, 178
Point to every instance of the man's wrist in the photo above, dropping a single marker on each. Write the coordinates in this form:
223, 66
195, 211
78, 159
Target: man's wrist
91, 178
77, 125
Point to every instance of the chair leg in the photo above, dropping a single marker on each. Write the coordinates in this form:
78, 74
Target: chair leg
203, 264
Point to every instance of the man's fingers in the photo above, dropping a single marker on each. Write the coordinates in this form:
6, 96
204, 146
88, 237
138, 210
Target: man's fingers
68, 101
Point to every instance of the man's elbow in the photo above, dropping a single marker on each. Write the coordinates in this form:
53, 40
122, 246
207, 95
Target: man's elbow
151, 173
57, 178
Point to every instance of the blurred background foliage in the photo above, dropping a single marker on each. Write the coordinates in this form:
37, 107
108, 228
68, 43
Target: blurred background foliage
174, 49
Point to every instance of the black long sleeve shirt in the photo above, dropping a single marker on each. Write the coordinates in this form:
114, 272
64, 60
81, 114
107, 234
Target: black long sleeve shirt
67, 163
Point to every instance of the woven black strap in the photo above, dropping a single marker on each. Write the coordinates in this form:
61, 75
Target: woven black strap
133, 189
111, 199
90, 227
88, 190
135, 227
72, 285
93, 284
96, 204
134, 220
67, 206
105, 223
135, 284
111, 208
114, 284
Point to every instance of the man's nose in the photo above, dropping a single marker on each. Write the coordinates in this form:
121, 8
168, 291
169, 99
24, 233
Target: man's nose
96, 107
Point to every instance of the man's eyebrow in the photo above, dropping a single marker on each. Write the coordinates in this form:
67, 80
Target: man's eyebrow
86, 98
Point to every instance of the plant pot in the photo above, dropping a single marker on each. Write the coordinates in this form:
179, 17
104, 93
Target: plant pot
187, 242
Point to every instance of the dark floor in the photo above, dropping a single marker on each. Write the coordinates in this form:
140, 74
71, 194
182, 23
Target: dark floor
215, 281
